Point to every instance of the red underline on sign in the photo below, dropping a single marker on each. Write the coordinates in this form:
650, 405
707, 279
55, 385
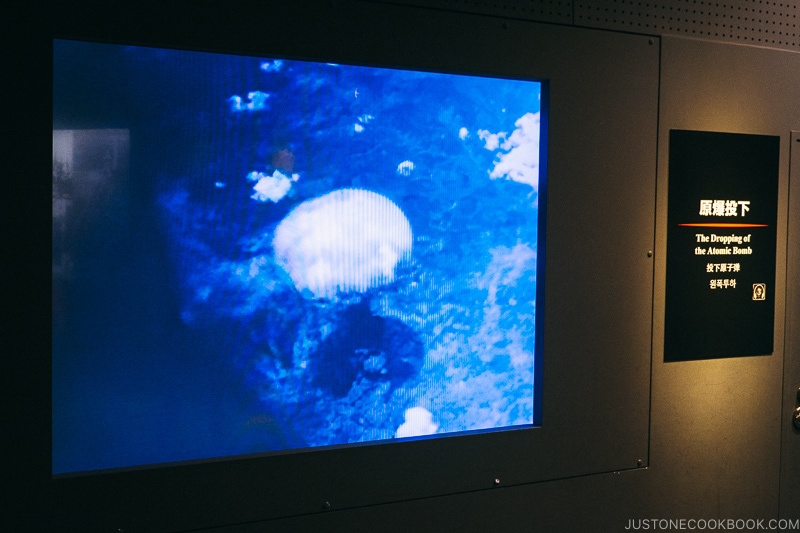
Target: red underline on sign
723, 225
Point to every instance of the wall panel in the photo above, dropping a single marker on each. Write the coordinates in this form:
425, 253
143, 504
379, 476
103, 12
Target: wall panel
790, 445
765, 23
716, 425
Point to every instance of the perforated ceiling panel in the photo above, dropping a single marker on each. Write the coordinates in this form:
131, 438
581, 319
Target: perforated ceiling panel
769, 23
757, 22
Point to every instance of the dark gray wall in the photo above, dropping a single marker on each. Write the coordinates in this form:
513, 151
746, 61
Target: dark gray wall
721, 444
713, 437
716, 425
790, 446
767, 23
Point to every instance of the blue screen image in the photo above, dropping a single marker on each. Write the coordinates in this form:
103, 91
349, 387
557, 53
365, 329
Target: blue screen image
264, 255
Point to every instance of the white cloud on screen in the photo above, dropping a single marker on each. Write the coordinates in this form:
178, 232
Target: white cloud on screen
256, 101
272, 66
348, 240
520, 162
492, 140
405, 168
418, 421
272, 188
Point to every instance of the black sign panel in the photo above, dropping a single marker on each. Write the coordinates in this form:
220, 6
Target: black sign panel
721, 245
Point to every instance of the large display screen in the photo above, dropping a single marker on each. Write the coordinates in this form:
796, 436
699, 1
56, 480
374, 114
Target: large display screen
261, 255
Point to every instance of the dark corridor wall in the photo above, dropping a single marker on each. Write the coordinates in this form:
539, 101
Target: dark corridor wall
638, 438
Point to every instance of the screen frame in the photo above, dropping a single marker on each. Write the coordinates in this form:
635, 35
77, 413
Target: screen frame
108, 122
215, 494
